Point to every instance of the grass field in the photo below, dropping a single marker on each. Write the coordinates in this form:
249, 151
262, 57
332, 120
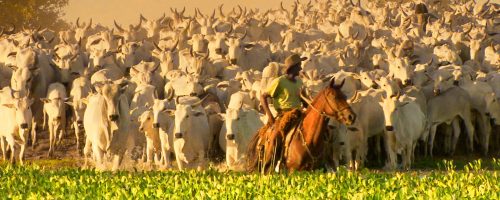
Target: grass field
55, 180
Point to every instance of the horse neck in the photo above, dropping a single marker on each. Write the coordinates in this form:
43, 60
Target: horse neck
313, 120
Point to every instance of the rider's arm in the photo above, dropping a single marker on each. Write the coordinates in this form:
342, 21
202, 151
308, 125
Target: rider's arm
265, 106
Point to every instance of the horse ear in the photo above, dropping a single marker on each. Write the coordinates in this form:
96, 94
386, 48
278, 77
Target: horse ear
332, 82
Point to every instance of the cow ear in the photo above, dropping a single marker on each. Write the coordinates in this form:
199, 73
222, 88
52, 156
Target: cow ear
248, 46
8, 105
45, 100
197, 114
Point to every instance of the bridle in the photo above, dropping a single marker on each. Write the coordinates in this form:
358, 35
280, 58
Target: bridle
323, 113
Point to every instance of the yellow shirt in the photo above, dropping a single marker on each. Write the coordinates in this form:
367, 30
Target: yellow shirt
285, 93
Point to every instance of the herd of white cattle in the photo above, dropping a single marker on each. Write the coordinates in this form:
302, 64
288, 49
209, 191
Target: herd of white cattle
187, 85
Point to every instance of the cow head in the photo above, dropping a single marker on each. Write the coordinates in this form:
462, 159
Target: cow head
237, 49
199, 43
493, 107
159, 107
143, 72
184, 114
152, 26
68, 61
111, 93
399, 68
21, 105
389, 106
167, 56
82, 31
100, 58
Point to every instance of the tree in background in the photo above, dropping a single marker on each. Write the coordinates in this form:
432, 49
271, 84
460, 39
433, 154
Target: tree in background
33, 13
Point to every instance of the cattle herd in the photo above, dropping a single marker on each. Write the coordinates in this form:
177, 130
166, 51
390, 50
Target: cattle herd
186, 88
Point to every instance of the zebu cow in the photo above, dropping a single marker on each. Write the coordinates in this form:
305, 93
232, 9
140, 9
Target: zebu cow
405, 124
54, 111
248, 56
80, 90
240, 125
16, 122
191, 134
106, 122
163, 120
153, 142
69, 61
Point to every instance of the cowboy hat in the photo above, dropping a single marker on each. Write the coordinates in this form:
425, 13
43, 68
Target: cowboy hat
293, 60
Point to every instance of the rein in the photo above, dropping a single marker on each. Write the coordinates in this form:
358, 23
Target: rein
322, 113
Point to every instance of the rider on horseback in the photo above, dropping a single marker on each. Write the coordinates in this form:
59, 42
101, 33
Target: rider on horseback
285, 90
286, 94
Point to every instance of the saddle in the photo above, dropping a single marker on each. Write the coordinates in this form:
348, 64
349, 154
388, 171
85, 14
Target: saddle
278, 135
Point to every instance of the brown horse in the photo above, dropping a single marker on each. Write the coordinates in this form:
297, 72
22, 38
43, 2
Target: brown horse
305, 148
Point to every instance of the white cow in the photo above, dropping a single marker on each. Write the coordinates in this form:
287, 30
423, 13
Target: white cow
163, 120
54, 112
405, 124
107, 123
240, 125
191, 134
80, 90
15, 123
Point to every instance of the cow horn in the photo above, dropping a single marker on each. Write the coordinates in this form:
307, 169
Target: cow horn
175, 45
201, 14
340, 33
213, 15
142, 17
78, 22
118, 26
265, 23
230, 30
319, 47
156, 46
64, 41
352, 3
182, 12
12, 30
430, 62
138, 25
244, 35
1, 32
191, 51
198, 102
469, 30
195, 13
89, 25
355, 35
281, 5
355, 96
220, 11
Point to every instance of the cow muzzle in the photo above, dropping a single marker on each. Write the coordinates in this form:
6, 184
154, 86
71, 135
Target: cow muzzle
156, 125
24, 126
113, 118
178, 135
218, 51
407, 82
455, 83
389, 128
230, 137
437, 92
232, 61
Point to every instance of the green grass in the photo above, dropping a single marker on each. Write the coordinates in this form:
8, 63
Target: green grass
477, 180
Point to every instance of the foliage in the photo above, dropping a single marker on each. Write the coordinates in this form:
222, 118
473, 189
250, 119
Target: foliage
33, 182
45, 13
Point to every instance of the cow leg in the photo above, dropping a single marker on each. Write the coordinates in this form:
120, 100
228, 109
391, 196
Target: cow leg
470, 131
51, 139
98, 155
4, 150
431, 139
33, 133
87, 151
485, 132
77, 135
456, 134
201, 159
11, 143
23, 145
149, 151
